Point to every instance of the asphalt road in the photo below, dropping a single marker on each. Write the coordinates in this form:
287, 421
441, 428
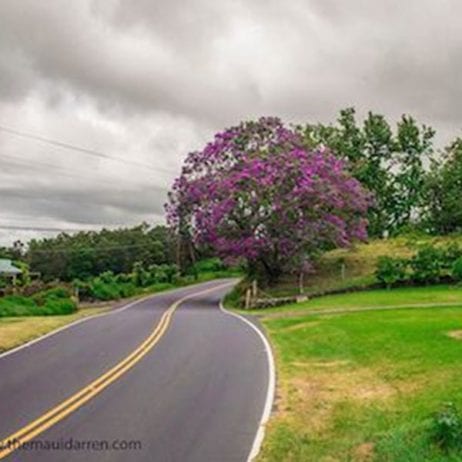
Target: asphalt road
197, 395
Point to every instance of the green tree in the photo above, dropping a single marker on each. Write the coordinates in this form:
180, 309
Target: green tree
443, 188
414, 149
390, 164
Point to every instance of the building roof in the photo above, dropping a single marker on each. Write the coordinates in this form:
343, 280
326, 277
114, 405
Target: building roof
6, 267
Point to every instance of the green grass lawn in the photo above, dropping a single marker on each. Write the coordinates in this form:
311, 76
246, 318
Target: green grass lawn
363, 386
402, 297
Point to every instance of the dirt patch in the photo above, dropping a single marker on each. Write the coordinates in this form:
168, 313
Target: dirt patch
344, 385
317, 393
364, 452
302, 325
321, 364
455, 334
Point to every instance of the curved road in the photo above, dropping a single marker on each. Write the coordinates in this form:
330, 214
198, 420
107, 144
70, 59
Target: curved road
196, 393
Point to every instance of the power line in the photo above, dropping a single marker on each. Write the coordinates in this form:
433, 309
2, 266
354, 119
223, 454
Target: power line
95, 249
80, 175
90, 152
44, 228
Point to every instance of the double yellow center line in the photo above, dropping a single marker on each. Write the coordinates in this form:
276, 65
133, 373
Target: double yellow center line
59, 412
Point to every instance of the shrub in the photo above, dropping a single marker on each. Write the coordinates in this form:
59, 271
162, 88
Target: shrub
449, 256
391, 270
15, 305
210, 265
108, 287
446, 431
427, 265
100, 290
56, 293
457, 270
127, 290
58, 306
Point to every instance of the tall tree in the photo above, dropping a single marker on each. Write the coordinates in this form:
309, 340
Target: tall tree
443, 190
414, 149
389, 164
256, 193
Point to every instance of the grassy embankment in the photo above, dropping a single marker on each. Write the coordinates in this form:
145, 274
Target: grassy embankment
359, 264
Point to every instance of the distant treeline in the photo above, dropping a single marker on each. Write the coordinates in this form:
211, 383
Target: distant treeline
89, 253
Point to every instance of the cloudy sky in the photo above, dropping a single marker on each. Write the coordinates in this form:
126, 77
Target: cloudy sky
147, 81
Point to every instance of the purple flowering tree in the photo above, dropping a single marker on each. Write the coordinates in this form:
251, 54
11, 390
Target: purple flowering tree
256, 193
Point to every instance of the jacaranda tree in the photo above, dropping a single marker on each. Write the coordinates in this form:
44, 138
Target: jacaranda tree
256, 193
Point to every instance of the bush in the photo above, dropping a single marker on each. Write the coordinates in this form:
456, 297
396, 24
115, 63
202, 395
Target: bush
210, 265
391, 270
457, 270
446, 431
15, 305
430, 265
449, 256
106, 287
427, 265
56, 293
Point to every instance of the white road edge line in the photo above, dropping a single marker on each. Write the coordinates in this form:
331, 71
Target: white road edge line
88, 318
270, 393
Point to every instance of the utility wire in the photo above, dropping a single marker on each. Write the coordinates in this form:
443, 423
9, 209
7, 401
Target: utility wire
95, 249
90, 152
62, 170
45, 228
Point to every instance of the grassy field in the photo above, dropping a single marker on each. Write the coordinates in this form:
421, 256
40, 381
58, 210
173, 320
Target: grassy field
18, 330
363, 386
402, 297
355, 267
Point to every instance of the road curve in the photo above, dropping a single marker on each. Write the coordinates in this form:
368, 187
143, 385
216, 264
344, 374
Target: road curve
197, 395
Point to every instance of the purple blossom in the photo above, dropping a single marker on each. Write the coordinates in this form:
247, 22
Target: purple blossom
255, 192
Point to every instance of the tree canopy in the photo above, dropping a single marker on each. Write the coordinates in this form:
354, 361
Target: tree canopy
86, 254
256, 192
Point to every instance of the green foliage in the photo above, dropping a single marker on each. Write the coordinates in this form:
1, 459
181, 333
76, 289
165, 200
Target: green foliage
108, 286
427, 265
390, 163
391, 270
52, 302
235, 298
446, 431
105, 287
87, 254
209, 265
56, 293
457, 270
442, 212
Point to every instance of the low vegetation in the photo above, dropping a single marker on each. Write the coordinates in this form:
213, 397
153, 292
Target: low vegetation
431, 264
357, 268
56, 301
154, 278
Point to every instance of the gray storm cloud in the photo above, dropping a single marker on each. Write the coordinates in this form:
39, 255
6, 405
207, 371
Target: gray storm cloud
149, 80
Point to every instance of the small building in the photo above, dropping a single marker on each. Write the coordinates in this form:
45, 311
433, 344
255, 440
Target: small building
8, 270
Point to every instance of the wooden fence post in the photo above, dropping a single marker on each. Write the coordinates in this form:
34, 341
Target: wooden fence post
254, 288
248, 295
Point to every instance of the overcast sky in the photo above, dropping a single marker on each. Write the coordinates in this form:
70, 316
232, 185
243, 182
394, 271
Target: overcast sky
150, 80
